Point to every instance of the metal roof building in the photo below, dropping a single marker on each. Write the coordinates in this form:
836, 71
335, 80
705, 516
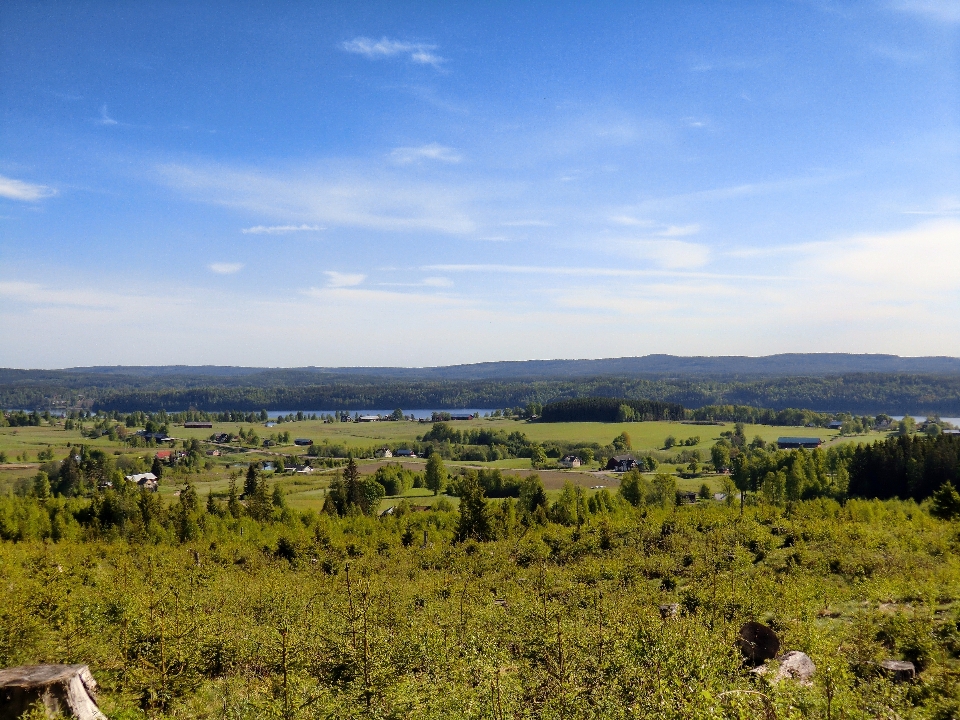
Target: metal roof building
790, 443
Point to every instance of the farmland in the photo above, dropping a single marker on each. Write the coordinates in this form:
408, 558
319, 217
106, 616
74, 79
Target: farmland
307, 491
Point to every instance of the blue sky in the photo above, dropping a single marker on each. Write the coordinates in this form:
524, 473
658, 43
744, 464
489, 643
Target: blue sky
291, 184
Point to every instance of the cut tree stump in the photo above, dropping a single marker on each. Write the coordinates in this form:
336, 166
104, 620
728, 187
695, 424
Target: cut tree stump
66, 689
757, 643
899, 670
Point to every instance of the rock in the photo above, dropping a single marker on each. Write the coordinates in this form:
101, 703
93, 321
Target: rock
669, 610
757, 643
66, 689
795, 665
899, 670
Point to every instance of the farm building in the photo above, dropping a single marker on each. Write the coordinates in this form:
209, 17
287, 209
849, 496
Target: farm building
405, 453
156, 437
145, 480
792, 443
383, 453
368, 418
834, 425
198, 425
303, 441
569, 461
622, 463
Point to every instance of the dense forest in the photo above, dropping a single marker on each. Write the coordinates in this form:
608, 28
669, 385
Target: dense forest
905, 467
292, 390
599, 409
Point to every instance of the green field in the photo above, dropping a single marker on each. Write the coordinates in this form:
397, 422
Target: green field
308, 492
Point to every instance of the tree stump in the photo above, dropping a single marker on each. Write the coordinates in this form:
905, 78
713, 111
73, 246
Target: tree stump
669, 610
899, 670
757, 643
66, 689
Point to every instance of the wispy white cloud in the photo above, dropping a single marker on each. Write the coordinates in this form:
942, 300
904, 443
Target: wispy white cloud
922, 261
945, 11
105, 118
430, 282
526, 223
942, 206
226, 268
20, 190
338, 279
587, 272
669, 254
679, 230
346, 196
39, 295
744, 190
384, 47
433, 151
631, 221
279, 229
898, 55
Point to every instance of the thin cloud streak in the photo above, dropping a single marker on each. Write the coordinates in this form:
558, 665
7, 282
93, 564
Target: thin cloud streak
594, 272
27, 192
433, 151
338, 279
335, 196
279, 229
420, 53
105, 118
226, 268
945, 11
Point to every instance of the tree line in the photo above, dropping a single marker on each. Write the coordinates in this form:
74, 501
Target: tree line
602, 409
856, 393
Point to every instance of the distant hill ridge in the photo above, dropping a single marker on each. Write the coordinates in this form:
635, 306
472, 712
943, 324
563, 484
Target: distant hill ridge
786, 364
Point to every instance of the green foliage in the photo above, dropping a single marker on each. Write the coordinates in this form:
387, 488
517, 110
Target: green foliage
395, 478
352, 493
664, 489
720, 455
635, 488
475, 522
946, 502
538, 458
904, 466
906, 426
435, 474
314, 615
607, 409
